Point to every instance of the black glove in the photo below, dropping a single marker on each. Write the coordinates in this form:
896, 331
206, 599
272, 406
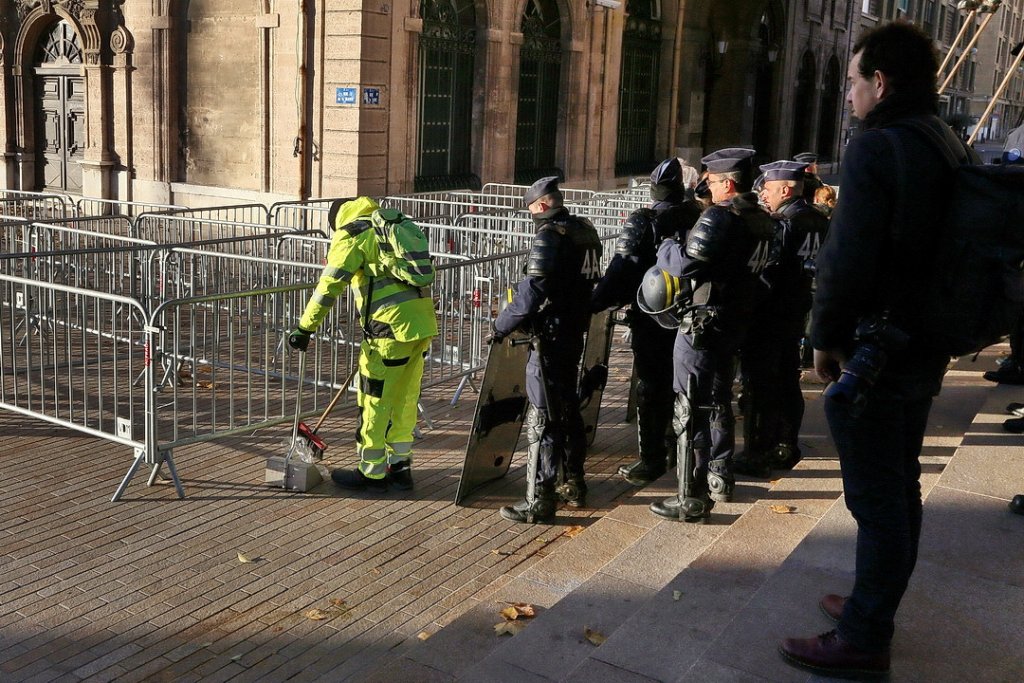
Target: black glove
299, 338
495, 337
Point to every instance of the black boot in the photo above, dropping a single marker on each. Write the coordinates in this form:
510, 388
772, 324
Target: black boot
695, 510
752, 465
1017, 504
400, 475
785, 456
540, 510
355, 480
721, 480
573, 491
641, 472
1010, 372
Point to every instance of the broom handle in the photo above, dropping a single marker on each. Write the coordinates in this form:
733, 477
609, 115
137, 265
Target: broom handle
334, 401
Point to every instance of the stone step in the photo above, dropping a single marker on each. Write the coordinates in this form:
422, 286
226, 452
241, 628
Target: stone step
660, 592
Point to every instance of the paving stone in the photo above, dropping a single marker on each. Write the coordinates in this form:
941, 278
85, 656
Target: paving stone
596, 671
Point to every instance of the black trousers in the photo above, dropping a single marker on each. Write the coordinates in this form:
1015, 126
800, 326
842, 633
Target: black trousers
551, 386
879, 454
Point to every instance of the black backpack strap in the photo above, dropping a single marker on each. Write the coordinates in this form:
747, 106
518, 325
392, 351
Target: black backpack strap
952, 148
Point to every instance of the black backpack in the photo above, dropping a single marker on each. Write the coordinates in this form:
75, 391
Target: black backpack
976, 296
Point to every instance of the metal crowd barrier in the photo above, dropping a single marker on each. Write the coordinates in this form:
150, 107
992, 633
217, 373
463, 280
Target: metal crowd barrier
238, 213
92, 206
306, 215
181, 324
36, 205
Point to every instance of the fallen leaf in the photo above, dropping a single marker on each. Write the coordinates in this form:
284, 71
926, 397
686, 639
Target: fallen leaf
503, 553
243, 558
541, 540
337, 602
574, 531
677, 594
773, 482
376, 570
509, 627
205, 644
595, 637
423, 635
510, 613
277, 629
317, 614
236, 658
204, 384
524, 609
782, 509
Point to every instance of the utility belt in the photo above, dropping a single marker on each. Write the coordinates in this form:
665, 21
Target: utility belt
701, 320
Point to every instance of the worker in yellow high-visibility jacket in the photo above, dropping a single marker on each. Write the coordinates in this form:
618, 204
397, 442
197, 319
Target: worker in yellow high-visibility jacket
398, 322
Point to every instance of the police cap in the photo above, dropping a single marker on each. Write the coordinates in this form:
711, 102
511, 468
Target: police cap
806, 157
784, 170
729, 160
542, 188
668, 172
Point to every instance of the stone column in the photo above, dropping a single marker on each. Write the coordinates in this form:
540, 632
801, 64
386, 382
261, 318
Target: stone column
99, 161
8, 140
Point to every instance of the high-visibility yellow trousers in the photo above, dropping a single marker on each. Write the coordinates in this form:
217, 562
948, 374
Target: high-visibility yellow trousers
390, 373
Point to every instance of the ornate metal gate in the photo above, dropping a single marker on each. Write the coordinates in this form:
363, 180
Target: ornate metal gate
638, 102
447, 47
60, 111
540, 61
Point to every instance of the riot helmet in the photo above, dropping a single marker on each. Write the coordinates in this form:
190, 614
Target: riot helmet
667, 180
663, 296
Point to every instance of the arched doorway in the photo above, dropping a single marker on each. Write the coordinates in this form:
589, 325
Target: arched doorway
447, 47
831, 96
59, 110
638, 101
540, 62
803, 105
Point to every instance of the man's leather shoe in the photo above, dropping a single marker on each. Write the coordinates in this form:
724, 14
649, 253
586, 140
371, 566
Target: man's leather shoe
692, 510
1017, 504
1015, 409
832, 605
354, 480
830, 655
640, 473
1015, 425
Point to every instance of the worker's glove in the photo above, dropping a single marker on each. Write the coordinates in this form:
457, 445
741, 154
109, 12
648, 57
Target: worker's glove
299, 339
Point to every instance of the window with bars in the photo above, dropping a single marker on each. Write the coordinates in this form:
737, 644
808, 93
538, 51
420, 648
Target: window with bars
641, 62
540, 70
447, 48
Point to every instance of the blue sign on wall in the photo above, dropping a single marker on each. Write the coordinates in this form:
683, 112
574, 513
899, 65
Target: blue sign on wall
345, 96
371, 95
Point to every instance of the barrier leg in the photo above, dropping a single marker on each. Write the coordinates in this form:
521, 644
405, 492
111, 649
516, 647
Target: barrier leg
128, 477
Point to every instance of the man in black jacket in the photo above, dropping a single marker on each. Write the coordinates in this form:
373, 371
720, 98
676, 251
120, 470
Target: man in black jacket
872, 275
550, 302
671, 215
774, 404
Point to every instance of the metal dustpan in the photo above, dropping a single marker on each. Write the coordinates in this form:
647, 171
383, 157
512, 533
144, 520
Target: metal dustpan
295, 471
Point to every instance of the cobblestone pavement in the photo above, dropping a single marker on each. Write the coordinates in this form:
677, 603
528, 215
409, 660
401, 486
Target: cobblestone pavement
153, 588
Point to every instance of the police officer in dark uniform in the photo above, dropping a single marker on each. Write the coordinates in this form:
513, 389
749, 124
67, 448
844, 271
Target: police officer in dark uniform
561, 269
670, 216
774, 405
724, 257
812, 181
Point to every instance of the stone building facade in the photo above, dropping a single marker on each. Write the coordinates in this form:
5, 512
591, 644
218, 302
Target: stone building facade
218, 101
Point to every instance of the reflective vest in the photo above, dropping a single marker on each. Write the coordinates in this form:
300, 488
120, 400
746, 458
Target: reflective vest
388, 308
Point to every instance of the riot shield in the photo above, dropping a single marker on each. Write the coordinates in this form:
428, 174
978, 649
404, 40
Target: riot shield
500, 407
594, 374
